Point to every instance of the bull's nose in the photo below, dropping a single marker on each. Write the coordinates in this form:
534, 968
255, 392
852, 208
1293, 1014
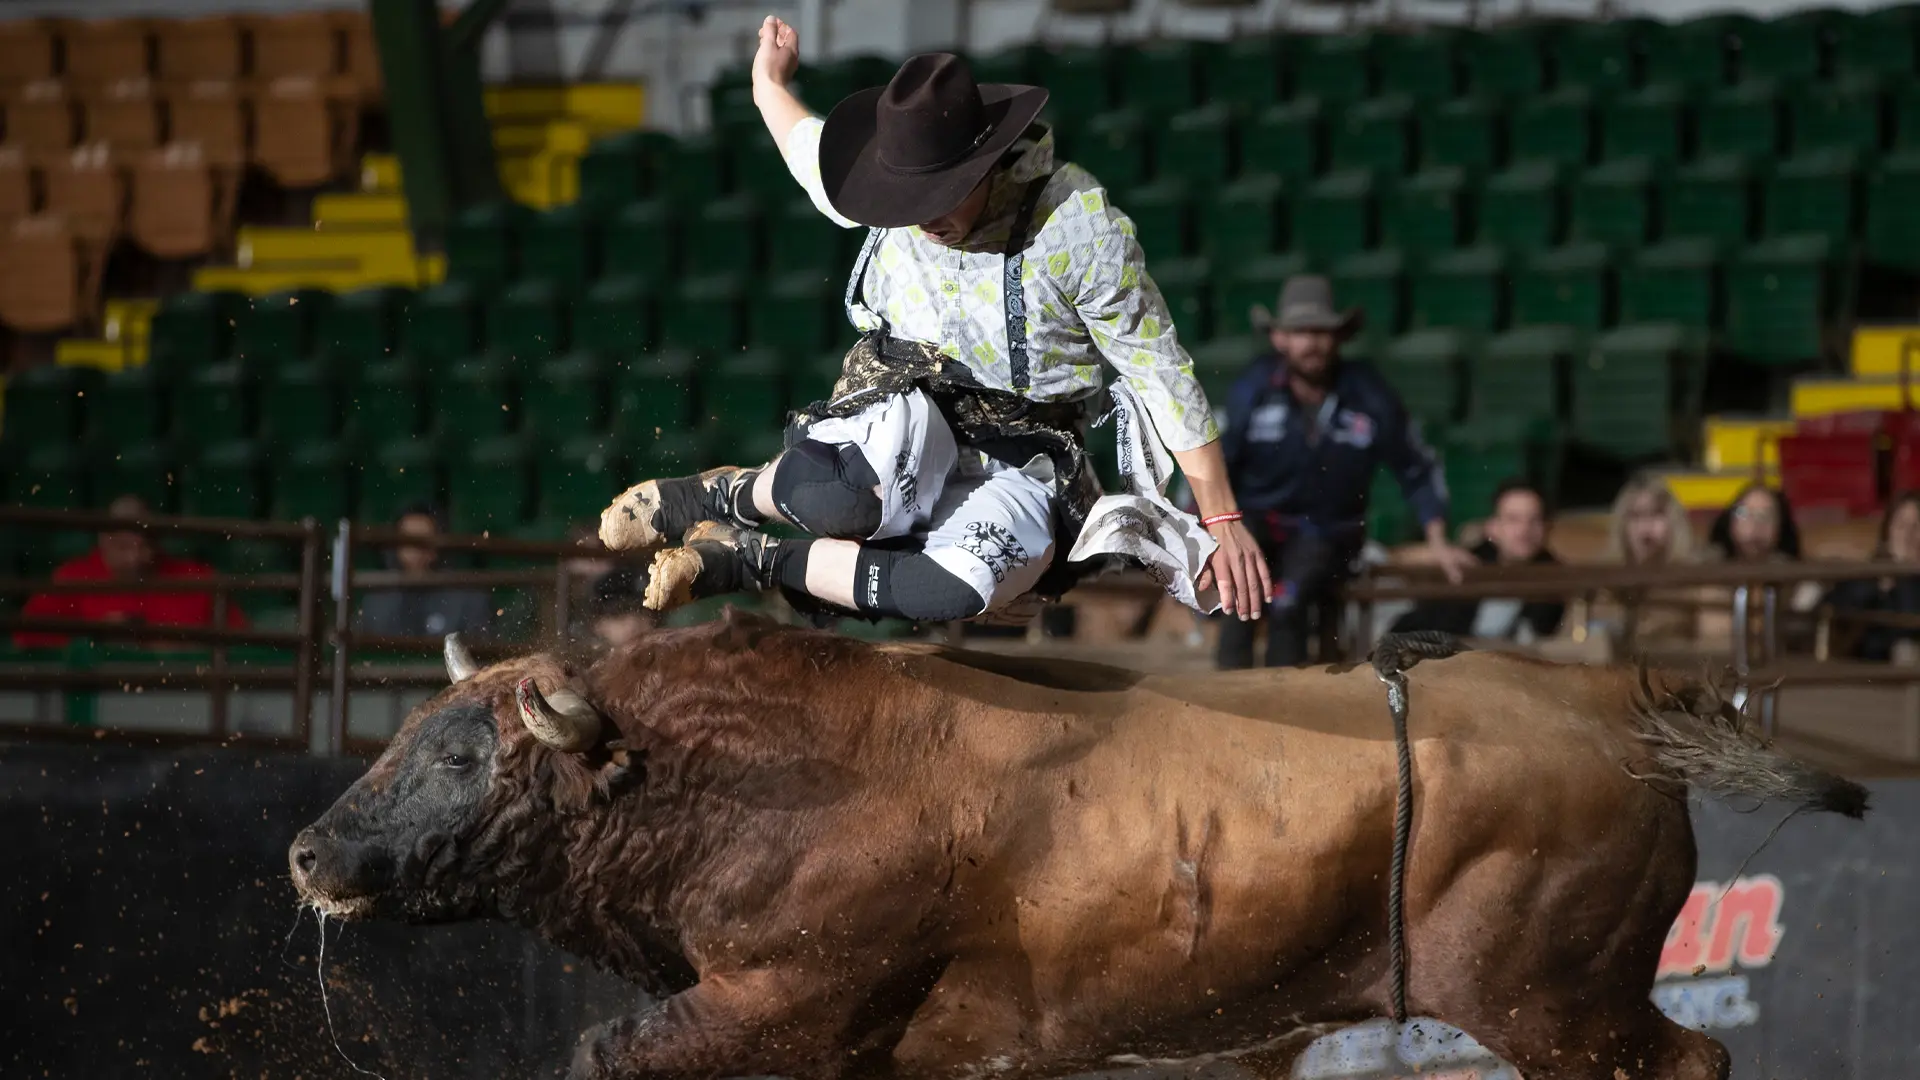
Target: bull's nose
301, 856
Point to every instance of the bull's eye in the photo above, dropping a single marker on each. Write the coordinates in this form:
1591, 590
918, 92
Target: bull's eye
456, 761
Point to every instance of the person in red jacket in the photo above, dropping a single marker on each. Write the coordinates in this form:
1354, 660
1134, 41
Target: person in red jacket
130, 556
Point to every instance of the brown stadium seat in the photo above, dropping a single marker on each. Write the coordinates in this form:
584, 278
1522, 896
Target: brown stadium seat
104, 51
43, 276
125, 115
302, 135
197, 49
26, 53
16, 186
176, 207
211, 113
88, 189
42, 121
299, 43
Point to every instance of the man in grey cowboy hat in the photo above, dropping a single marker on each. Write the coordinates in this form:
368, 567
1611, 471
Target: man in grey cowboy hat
993, 284
1305, 430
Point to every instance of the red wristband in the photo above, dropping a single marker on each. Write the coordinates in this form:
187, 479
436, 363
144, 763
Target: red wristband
1219, 519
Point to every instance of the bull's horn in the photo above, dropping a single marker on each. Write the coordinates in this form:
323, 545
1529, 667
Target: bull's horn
568, 722
460, 665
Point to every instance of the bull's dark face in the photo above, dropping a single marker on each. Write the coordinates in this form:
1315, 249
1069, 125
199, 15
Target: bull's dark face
385, 846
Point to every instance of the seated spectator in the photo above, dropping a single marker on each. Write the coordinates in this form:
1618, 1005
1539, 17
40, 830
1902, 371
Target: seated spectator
422, 611
1894, 593
618, 615
1516, 534
1756, 527
131, 556
1648, 527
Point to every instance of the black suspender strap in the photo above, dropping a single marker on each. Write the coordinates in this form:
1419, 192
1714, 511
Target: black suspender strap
860, 270
1015, 296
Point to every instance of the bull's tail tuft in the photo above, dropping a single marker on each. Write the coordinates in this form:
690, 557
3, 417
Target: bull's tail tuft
1697, 734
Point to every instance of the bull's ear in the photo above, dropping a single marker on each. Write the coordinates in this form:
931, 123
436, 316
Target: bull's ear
625, 767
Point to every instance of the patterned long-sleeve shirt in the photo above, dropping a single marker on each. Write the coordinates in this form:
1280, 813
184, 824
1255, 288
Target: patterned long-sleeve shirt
1088, 294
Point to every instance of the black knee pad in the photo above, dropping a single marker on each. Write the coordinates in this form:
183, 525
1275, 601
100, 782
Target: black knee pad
910, 585
828, 491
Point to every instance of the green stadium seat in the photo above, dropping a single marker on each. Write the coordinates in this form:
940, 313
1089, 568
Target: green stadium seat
528, 323
400, 473
1113, 147
1879, 43
278, 328
1423, 65
1712, 198
1791, 47
1781, 296
1814, 193
1743, 119
1080, 81
490, 485
1162, 216
1651, 123
759, 169
1335, 216
1569, 287
1161, 78
226, 480
1020, 64
706, 314
797, 314
653, 392
642, 240
617, 318
1465, 290
442, 325
1510, 62
474, 400
1630, 392
48, 403
743, 391
480, 248
730, 103
215, 404
1376, 283
1244, 220
1556, 127
618, 169
1521, 208
562, 247
802, 239
361, 327
1465, 132
568, 396
1334, 67
677, 453
730, 232
1248, 71
1694, 53
1198, 146
49, 475
1376, 135
128, 405
149, 468
693, 169
1602, 55
1426, 213
826, 84
579, 478
1893, 212
813, 380
302, 402
1426, 368
1481, 455
1613, 203
1389, 520
387, 401
1674, 282
192, 329
1256, 282
311, 480
1287, 140
1184, 285
1848, 114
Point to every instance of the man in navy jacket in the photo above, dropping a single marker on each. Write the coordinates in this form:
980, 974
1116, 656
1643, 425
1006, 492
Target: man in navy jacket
1304, 431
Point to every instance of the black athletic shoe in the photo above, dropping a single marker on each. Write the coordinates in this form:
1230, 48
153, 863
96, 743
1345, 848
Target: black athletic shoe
654, 512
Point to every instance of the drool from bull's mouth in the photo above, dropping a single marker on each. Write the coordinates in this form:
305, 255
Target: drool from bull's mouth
823, 853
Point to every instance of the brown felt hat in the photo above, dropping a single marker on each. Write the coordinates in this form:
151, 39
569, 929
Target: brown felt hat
911, 151
1306, 303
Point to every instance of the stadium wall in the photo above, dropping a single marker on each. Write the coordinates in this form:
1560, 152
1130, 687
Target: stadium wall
149, 928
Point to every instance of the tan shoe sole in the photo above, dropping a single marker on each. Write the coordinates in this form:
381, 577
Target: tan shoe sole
670, 580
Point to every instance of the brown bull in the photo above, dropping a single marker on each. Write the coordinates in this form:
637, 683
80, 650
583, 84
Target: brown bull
836, 858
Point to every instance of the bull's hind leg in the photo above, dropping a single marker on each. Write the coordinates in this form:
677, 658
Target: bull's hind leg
1634, 1042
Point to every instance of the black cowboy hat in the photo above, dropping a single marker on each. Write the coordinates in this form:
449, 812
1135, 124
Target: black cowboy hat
911, 151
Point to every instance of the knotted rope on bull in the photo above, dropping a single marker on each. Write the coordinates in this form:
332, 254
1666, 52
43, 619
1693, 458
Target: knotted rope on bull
1392, 657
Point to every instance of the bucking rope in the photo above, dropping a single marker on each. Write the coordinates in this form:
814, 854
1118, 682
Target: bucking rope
1392, 657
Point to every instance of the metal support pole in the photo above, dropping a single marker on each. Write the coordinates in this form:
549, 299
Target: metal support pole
342, 637
220, 725
1770, 643
306, 654
562, 601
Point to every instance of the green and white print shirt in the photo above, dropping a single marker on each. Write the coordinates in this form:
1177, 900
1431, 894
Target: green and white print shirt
1088, 294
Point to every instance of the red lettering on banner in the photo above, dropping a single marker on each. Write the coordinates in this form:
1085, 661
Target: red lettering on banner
1715, 931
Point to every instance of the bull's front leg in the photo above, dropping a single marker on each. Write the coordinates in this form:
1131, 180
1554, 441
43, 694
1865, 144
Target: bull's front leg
754, 1023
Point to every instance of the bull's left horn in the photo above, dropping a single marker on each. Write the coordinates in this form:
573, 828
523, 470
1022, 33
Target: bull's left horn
568, 722
460, 665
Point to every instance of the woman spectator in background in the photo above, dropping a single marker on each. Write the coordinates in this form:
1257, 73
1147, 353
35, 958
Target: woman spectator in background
1756, 527
1648, 527
1896, 593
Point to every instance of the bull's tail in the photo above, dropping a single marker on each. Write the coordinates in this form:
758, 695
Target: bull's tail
1700, 737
